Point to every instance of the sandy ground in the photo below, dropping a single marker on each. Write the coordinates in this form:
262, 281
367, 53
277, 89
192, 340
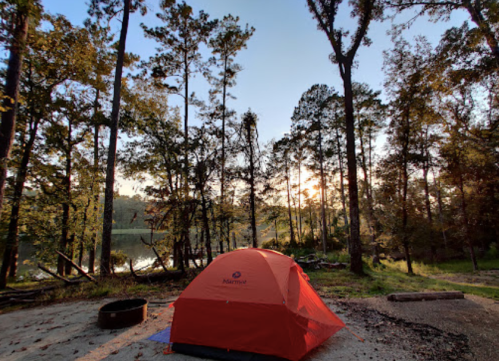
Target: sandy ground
439, 330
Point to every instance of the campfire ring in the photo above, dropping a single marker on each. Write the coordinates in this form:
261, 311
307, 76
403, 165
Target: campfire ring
124, 313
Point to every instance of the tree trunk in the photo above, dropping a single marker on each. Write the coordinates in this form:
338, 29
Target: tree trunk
11, 246
187, 249
252, 192
299, 199
206, 228
342, 188
214, 230
81, 252
228, 234
186, 223
370, 209
178, 251
84, 228
93, 242
405, 182
298, 239
221, 245
63, 243
67, 265
14, 261
440, 209
323, 190
222, 170
292, 242
467, 232
311, 223
11, 92
376, 245
355, 244
107, 226
276, 234
428, 211
405, 241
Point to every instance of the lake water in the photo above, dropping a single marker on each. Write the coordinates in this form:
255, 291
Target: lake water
130, 244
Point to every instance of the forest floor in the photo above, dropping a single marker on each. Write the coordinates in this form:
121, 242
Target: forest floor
437, 330
392, 277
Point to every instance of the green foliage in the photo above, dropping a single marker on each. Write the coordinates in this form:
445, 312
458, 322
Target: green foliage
179, 42
276, 245
118, 259
493, 251
298, 252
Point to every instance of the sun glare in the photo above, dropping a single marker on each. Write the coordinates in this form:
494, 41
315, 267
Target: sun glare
308, 182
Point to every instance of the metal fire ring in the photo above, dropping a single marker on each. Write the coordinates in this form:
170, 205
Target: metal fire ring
124, 313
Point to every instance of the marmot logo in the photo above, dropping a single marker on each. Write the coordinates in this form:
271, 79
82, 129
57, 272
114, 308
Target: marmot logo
233, 282
236, 275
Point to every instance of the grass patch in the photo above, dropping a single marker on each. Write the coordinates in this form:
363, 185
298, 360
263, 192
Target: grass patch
467, 267
449, 267
385, 280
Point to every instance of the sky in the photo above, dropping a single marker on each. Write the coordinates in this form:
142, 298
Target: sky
285, 56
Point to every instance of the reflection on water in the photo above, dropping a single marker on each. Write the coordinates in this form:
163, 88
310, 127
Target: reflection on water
130, 244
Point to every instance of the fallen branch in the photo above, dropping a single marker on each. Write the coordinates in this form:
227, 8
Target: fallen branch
53, 274
76, 267
159, 259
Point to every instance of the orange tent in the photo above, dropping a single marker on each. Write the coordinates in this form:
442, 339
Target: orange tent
255, 301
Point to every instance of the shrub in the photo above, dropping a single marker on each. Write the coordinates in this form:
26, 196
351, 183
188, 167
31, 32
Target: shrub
118, 259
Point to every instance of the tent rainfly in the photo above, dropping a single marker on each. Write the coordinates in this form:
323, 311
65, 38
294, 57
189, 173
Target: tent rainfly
251, 304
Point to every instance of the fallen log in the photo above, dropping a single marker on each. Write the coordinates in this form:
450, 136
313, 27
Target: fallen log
157, 276
53, 274
66, 281
13, 301
333, 265
24, 292
22, 296
76, 267
425, 296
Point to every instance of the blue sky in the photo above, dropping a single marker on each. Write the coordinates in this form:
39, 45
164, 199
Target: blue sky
286, 55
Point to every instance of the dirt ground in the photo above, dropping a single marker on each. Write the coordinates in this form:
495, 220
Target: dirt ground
480, 278
438, 330
476, 319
